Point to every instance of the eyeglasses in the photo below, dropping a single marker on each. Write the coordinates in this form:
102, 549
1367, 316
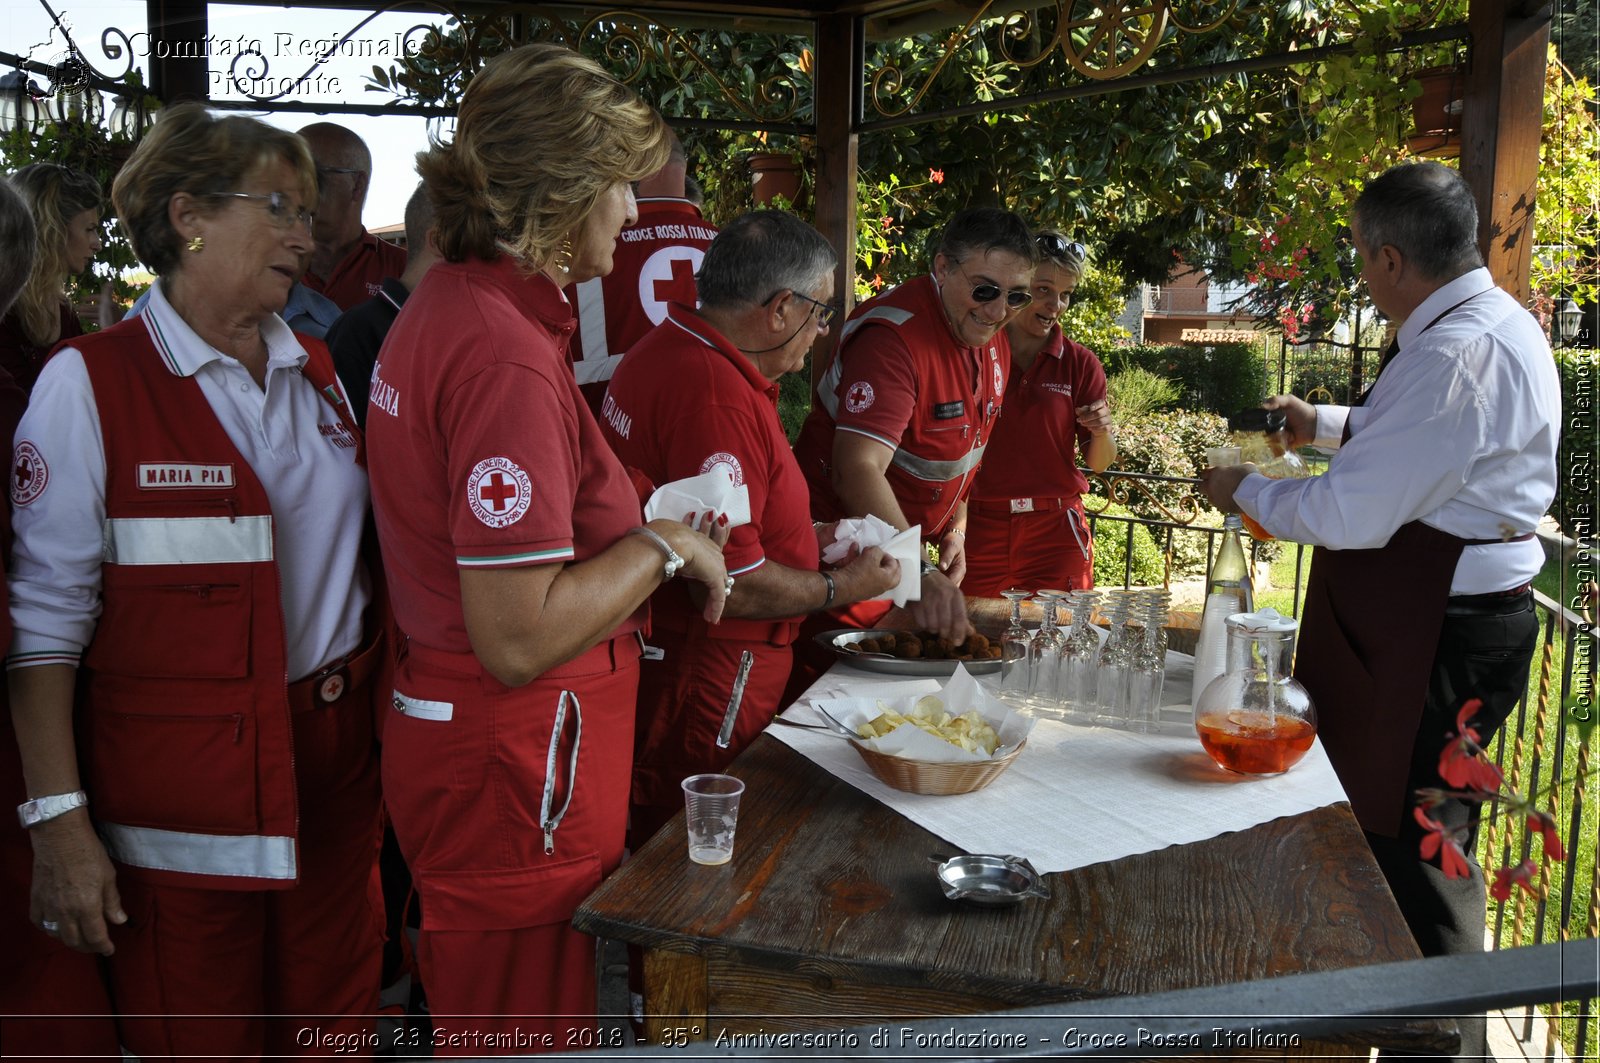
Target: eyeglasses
825, 311
324, 170
1058, 247
283, 215
1016, 298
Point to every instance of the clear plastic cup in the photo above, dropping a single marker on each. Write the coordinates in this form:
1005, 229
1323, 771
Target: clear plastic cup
711, 805
1221, 457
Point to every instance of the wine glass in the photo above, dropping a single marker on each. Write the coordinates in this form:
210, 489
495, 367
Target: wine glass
1148, 668
1044, 658
1014, 649
1111, 702
1078, 666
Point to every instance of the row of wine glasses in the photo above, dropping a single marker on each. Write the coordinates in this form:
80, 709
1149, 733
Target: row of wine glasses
1068, 674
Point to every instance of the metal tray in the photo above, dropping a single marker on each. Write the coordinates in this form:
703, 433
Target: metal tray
839, 638
989, 880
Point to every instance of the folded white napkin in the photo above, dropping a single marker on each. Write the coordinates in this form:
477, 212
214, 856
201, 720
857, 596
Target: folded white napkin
714, 490
905, 547
959, 695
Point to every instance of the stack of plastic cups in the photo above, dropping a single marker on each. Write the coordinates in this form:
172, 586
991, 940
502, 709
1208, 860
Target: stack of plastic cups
1077, 684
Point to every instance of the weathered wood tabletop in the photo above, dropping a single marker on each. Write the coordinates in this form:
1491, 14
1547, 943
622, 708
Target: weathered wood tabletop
829, 915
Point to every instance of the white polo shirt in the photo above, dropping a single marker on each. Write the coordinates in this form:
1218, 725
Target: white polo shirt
288, 434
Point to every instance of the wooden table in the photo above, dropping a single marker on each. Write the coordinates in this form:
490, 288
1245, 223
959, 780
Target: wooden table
829, 915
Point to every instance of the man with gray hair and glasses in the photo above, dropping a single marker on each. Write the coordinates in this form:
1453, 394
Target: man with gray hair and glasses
1418, 600
698, 395
348, 264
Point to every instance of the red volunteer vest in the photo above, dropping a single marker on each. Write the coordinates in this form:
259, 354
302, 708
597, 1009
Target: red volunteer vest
934, 466
184, 726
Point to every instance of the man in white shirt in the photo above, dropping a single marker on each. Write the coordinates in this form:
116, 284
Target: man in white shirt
1418, 599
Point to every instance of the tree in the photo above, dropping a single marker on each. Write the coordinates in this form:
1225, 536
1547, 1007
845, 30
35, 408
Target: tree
1248, 175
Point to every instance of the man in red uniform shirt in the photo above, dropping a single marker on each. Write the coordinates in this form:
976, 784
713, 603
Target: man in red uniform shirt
1025, 520
906, 409
348, 264
700, 393
654, 265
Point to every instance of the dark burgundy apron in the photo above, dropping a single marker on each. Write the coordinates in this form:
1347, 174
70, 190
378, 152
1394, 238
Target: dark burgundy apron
1368, 636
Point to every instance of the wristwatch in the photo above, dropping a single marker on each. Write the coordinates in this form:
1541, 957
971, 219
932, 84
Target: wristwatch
674, 562
43, 809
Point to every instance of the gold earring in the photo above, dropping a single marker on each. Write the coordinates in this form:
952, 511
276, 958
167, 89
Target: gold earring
564, 253
196, 244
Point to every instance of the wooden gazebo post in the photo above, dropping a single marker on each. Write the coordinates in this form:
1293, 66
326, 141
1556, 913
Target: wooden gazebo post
837, 77
1500, 130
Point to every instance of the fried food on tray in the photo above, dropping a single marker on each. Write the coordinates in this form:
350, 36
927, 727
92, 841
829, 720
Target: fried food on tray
925, 645
970, 731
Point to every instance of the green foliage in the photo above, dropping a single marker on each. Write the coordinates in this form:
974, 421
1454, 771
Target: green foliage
1136, 393
794, 399
1169, 443
1110, 547
1098, 301
1221, 378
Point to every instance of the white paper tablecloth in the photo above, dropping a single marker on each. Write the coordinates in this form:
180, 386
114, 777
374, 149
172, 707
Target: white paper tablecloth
1077, 795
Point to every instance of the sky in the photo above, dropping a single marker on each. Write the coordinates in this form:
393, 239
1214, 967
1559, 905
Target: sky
288, 42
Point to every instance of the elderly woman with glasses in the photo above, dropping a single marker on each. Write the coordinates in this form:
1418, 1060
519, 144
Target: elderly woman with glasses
1025, 522
190, 499
518, 562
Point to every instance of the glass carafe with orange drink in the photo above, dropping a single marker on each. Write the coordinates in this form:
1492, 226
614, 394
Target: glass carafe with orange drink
1263, 440
1256, 718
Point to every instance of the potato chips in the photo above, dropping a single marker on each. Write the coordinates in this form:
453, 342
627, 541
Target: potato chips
969, 731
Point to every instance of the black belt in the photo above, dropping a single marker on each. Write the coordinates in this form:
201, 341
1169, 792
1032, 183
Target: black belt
1495, 603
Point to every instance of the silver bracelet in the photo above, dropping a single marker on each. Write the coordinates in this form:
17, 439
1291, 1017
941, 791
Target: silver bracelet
828, 579
674, 561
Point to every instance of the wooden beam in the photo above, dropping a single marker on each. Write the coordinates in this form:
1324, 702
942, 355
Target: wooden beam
840, 46
1500, 131
178, 49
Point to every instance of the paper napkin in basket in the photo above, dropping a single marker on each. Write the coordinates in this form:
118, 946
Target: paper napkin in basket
960, 694
905, 547
714, 490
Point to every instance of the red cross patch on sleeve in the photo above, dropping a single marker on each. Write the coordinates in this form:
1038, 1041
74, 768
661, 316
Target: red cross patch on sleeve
499, 492
29, 474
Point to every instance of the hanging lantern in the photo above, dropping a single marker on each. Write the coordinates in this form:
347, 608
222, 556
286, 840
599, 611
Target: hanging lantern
19, 106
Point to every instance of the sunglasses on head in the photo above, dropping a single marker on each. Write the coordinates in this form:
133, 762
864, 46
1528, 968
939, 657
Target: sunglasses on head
1057, 246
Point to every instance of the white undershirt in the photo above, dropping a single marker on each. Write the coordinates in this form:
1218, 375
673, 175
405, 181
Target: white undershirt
1459, 432
286, 433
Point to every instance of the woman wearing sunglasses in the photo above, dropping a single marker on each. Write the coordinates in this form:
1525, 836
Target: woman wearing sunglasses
1025, 522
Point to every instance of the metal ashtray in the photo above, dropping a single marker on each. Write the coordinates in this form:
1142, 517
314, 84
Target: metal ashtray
989, 880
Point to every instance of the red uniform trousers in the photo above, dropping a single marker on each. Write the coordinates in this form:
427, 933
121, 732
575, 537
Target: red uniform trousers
464, 769
55, 997
682, 700
1047, 549
270, 964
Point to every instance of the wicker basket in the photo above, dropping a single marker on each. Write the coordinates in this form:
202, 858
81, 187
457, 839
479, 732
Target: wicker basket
928, 777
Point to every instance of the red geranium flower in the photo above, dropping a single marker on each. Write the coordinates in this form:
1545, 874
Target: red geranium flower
1545, 824
1459, 762
1441, 842
1506, 877
936, 176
